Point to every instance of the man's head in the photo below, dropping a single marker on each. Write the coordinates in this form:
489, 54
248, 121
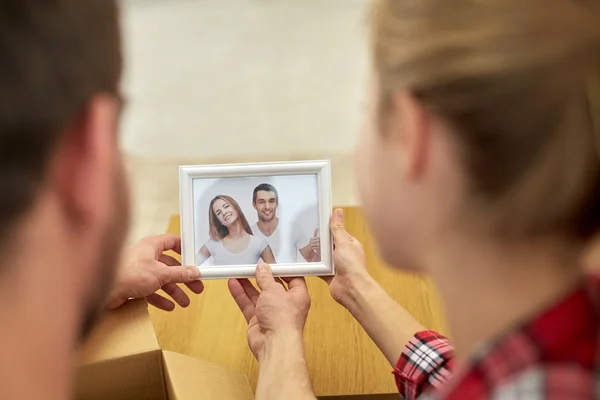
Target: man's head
63, 200
265, 200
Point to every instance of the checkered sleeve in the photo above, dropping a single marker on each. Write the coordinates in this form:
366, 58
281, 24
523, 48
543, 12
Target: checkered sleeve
425, 363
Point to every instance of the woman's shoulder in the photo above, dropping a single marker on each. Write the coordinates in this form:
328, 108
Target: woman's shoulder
211, 243
258, 241
549, 381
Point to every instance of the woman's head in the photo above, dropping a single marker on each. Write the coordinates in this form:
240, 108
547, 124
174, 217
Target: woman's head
480, 118
224, 212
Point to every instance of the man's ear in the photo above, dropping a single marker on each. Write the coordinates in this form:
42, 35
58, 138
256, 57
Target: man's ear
84, 165
411, 133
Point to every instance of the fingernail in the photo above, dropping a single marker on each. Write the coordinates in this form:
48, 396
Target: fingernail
193, 273
265, 267
340, 213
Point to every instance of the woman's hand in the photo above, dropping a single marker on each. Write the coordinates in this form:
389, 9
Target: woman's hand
276, 314
349, 259
385, 321
145, 270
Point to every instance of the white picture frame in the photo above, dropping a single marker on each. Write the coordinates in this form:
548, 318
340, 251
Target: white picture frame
188, 210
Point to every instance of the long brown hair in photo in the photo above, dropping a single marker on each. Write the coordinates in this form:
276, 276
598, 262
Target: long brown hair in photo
218, 231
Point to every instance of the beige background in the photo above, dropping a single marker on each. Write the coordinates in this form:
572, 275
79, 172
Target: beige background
213, 81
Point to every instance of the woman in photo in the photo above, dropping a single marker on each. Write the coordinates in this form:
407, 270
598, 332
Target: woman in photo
231, 240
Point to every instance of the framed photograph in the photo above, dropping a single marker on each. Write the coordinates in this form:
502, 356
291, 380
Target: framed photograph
235, 216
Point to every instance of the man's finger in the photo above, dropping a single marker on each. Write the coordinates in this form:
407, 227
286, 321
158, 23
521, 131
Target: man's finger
178, 275
160, 302
338, 230
168, 260
316, 233
250, 290
177, 294
264, 276
165, 242
242, 300
196, 286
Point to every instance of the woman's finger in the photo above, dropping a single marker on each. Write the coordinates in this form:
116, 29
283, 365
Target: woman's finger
160, 302
338, 230
177, 294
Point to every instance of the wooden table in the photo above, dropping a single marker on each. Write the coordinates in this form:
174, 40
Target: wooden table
341, 358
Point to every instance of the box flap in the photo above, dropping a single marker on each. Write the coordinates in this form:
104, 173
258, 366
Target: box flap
134, 377
189, 378
125, 331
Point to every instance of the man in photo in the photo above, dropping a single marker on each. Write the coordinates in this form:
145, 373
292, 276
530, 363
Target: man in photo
285, 240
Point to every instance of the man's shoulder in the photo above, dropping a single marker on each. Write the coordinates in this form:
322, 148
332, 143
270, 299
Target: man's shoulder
292, 224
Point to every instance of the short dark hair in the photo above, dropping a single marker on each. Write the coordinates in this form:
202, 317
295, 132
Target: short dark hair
265, 187
56, 55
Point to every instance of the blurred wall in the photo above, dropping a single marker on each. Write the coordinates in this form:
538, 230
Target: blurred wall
207, 79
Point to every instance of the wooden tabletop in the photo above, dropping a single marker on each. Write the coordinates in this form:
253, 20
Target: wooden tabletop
341, 358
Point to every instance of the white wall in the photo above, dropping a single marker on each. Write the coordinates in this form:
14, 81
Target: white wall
211, 78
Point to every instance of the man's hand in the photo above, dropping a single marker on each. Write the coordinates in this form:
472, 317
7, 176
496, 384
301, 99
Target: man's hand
276, 319
349, 260
145, 270
276, 313
315, 244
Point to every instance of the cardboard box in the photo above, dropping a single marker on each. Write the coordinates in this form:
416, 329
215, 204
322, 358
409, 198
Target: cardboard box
122, 360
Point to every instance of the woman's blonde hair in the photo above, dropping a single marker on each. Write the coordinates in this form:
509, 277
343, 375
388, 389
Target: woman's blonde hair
517, 82
218, 231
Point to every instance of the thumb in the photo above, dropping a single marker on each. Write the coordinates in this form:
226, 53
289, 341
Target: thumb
338, 230
264, 276
316, 234
180, 275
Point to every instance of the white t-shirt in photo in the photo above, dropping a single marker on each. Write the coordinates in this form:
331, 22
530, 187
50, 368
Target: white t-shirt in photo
251, 255
285, 241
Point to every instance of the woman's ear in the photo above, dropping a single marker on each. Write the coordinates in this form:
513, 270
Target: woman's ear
411, 134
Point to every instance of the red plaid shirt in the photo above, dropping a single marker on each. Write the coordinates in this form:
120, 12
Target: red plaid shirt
556, 355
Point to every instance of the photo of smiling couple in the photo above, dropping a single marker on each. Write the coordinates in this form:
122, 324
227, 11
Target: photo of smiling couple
233, 241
